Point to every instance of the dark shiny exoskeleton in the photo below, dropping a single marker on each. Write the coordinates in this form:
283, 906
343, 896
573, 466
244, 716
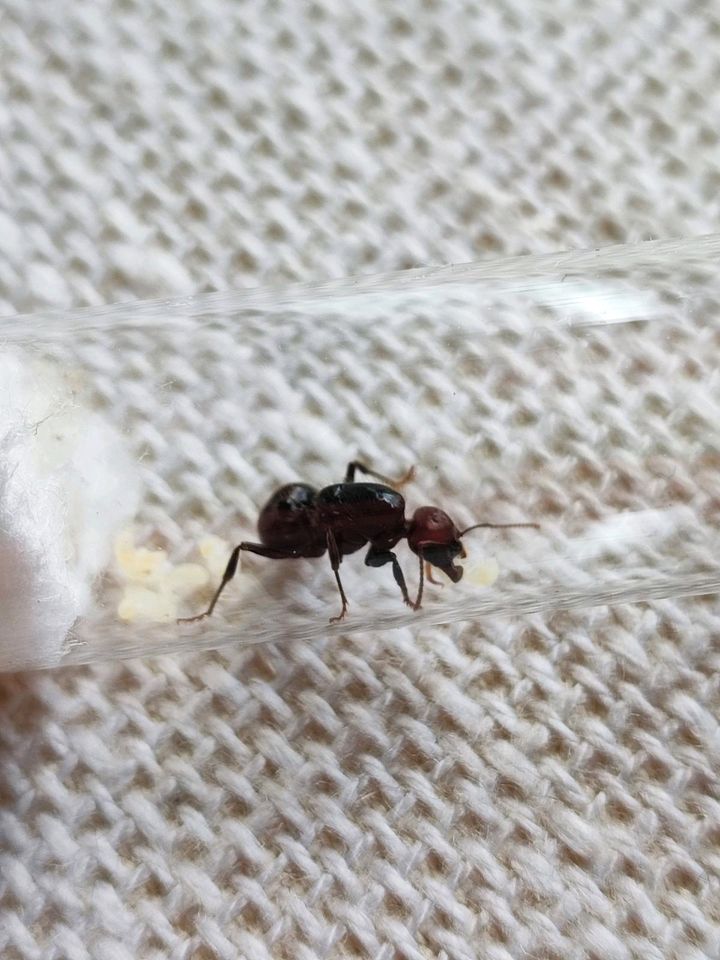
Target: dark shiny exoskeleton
299, 521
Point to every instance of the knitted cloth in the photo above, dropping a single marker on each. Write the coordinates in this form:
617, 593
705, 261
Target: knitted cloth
540, 787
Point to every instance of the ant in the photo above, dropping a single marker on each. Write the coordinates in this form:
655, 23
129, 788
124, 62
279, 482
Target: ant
299, 521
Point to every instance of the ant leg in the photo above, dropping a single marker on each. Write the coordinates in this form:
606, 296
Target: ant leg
335, 559
231, 569
272, 553
378, 558
430, 577
357, 465
418, 599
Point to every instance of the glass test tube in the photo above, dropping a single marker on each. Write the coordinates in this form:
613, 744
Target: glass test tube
580, 392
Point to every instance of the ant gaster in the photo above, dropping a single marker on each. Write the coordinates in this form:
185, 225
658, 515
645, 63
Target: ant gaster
299, 521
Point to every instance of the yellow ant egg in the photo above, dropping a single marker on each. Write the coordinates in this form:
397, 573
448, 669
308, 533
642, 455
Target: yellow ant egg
215, 552
138, 563
186, 578
152, 587
481, 573
141, 604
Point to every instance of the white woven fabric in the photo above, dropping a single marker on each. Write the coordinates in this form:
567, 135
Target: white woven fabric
545, 788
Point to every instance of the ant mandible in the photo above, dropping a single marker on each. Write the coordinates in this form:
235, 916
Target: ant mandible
299, 521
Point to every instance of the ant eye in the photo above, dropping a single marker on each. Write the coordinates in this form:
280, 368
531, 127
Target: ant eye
436, 519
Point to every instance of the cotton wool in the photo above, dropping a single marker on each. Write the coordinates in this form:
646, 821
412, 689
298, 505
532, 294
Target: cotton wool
67, 485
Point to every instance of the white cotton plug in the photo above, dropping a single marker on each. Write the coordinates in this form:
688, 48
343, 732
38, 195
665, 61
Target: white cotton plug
67, 485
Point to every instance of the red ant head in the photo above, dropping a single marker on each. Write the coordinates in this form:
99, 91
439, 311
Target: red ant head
433, 536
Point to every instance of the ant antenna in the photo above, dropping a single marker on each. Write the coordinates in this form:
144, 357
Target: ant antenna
498, 526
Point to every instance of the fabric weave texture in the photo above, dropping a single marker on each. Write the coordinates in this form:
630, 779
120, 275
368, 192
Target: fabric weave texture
541, 788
